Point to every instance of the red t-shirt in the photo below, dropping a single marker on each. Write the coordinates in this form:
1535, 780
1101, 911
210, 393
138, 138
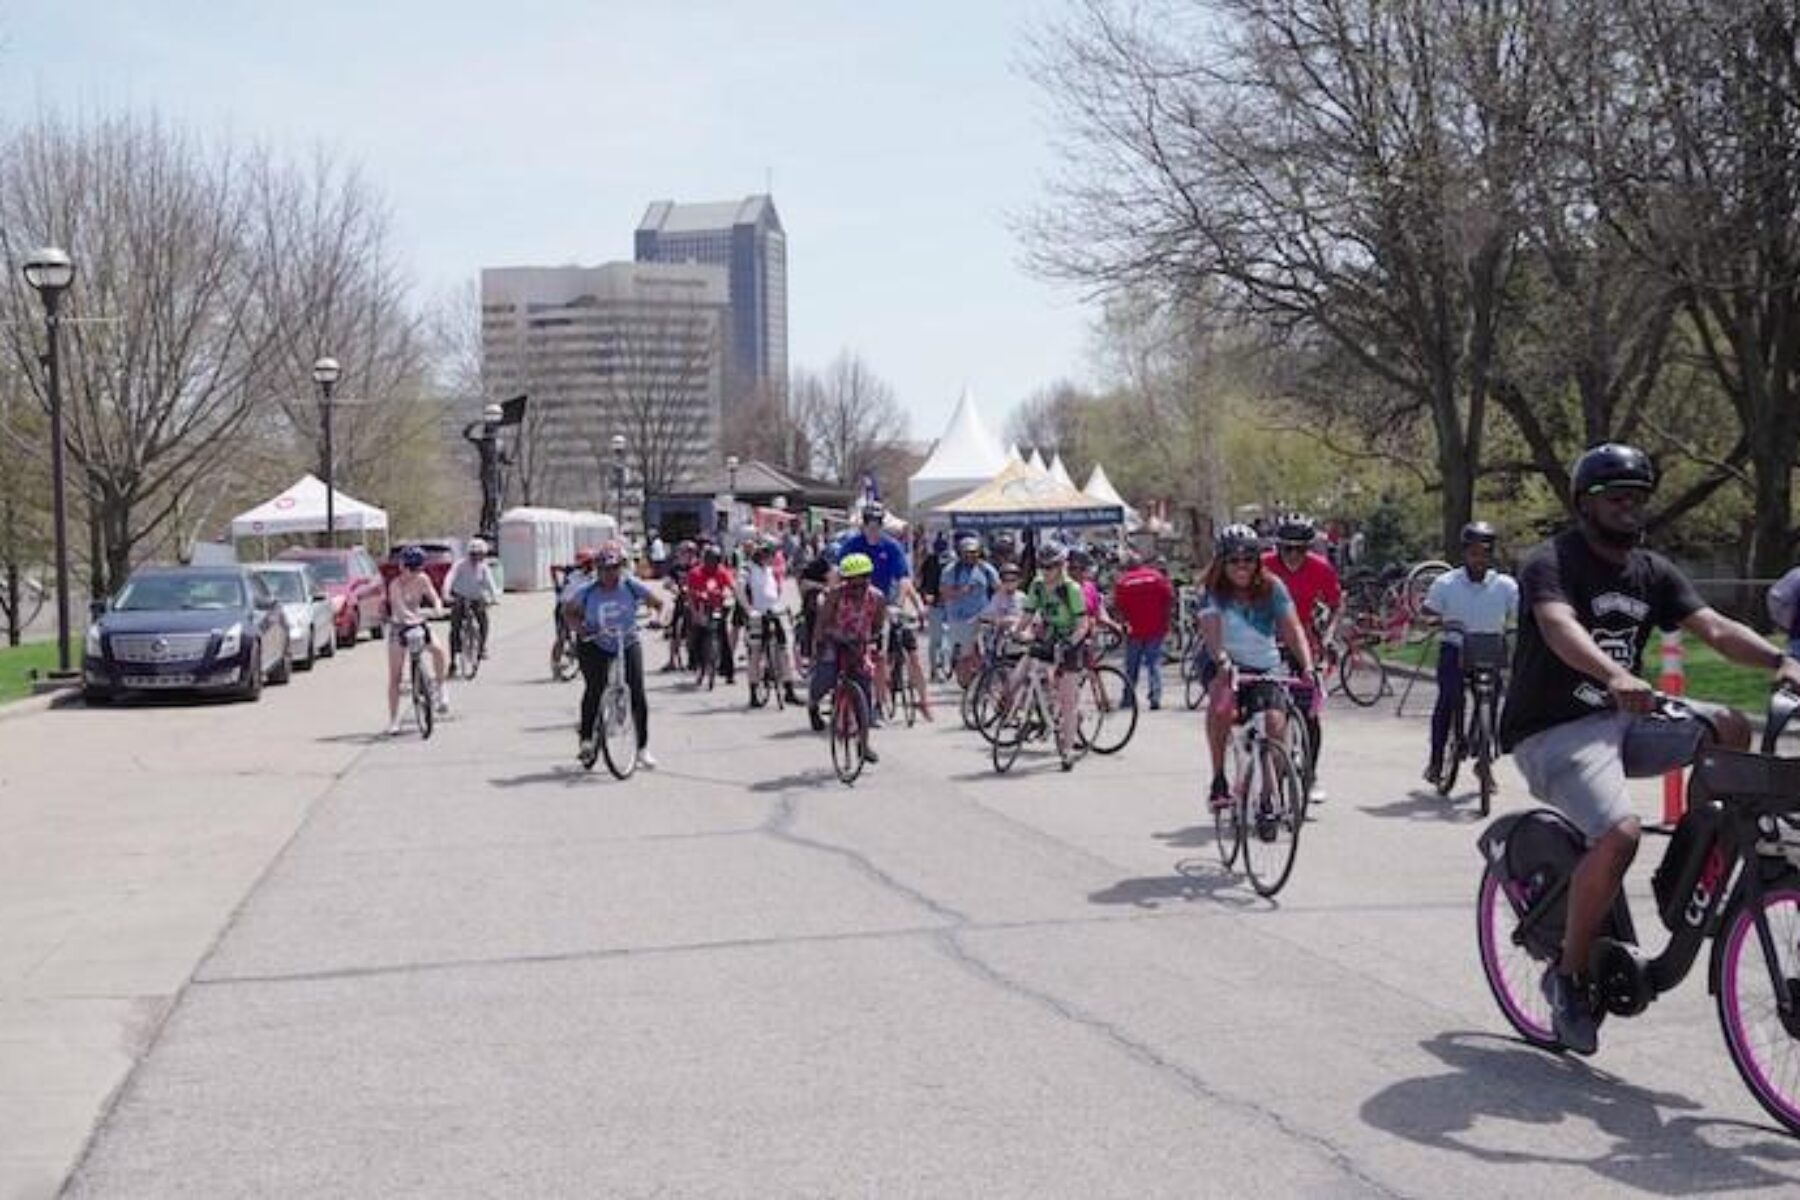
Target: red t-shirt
1144, 597
710, 585
1316, 580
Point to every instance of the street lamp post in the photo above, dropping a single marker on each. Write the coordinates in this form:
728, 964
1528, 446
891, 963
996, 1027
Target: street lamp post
618, 473
50, 271
731, 466
325, 373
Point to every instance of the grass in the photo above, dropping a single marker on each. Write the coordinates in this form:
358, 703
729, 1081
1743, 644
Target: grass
1708, 676
16, 664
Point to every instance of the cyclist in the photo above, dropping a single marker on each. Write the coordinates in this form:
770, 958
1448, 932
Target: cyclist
759, 595
411, 598
892, 577
1247, 617
1579, 720
606, 606
709, 589
470, 587
813, 579
1474, 598
852, 614
565, 582
679, 620
966, 588
1146, 599
1081, 570
1318, 595
1060, 624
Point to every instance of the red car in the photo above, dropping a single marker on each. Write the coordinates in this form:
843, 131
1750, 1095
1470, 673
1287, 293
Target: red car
440, 555
352, 583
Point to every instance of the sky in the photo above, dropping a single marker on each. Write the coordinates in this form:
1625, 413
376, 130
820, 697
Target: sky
900, 136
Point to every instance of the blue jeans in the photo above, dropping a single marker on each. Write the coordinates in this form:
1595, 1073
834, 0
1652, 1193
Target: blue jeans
1148, 653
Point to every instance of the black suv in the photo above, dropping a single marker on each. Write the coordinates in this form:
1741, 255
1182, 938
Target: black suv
189, 628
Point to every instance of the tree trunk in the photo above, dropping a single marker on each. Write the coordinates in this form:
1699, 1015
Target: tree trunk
1772, 463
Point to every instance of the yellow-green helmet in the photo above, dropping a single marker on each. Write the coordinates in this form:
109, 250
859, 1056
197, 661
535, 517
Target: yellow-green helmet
856, 566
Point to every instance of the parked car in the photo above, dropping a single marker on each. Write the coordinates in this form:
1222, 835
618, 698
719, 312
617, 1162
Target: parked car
199, 628
352, 584
305, 607
440, 555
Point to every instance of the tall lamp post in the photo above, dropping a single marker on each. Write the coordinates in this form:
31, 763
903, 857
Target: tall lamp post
50, 271
731, 466
325, 373
618, 474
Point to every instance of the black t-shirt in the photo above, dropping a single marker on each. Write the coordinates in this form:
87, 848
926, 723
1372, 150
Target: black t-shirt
816, 570
931, 575
1617, 604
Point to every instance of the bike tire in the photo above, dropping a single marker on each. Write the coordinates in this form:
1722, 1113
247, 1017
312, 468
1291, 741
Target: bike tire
423, 712
1114, 721
1766, 1056
772, 687
1299, 748
1194, 694
1010, 733
1273, 815
618, 728
848, 721
1228, 825
1363, 676
1483, 759
1454, 750
1512, 971
472, 647
987, 704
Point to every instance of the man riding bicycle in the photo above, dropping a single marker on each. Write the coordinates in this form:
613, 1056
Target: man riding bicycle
1472, 599
1318, 595
411, 598
1060, 625
759, 594
964, 591
1247, 619
709, 591
1580, 721
606, 607
470, 587
892, 577
851, 617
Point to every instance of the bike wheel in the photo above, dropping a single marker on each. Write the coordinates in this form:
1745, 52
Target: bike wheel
1274, 811
1482, 755
1765, 1053
1104, 720
772, 686
1299, 749
423, 712
1513, 973
471, 649
618, 728
849, 718
1194, 691
1454, 749
991, 688
1363, 676
907, 699
1228, 828
1011, 731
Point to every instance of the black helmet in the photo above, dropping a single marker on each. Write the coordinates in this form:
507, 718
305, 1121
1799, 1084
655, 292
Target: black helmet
1479, 531
873, 511
1079, 557
1296, 529
1236, 539
712, 554
1612, 464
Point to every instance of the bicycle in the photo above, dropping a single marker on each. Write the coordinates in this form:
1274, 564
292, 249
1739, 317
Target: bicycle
902, 697
980, 700
616, 723
1353, 665
418, 680
768, 645
1029, 715
1475, 721
1731, 873
1102, 707
849, 714
1267, 805
465, 632
713, 648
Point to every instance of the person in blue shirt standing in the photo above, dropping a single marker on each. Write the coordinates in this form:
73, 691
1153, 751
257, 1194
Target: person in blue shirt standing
607, 606
966, 589
892, 577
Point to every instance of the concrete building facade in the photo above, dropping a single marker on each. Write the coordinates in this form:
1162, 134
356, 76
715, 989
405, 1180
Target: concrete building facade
747, 239
639, 349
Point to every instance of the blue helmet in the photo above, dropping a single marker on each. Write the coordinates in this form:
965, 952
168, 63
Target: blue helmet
412, 558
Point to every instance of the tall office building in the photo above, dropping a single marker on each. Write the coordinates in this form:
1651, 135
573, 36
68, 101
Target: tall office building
638, 349
746, 238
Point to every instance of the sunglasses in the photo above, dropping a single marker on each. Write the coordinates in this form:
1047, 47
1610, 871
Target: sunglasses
1241, 560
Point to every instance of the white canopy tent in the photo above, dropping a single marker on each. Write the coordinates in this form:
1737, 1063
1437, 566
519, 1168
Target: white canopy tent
301, 509
965, 457
1036, 462
1013, 455
1100, 488
1059, 472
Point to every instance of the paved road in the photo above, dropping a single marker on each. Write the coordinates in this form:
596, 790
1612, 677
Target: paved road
476, 970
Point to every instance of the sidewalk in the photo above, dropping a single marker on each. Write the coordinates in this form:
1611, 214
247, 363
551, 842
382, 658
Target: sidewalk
128, 839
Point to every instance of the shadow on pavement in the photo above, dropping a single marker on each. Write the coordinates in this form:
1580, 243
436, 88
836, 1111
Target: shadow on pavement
568, 775
1421, 805
357, 739
1189, 838
1193, 880
817, 777
1494, 1082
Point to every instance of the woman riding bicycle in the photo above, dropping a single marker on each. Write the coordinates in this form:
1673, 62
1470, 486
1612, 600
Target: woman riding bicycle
470, 587
1247, 618
1060, 624
760, 597
852, 615
410, 599
608, 610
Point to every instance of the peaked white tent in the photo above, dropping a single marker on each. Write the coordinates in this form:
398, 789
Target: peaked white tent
1101, 490
301, 509
1036, 461
1013, 455
965, 457
1059, 472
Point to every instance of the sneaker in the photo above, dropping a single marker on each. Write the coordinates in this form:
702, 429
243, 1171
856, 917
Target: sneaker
1219, 795
589, 752
393, 729
646, 759
1316, 794
1432, 771
789, 694
1156, 706
815, 718
1068, 763
443, 702
869, 754
1570, 1014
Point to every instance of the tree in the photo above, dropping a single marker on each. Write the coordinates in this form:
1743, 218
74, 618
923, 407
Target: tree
849, 418
661, 387
763, 427
1052, 420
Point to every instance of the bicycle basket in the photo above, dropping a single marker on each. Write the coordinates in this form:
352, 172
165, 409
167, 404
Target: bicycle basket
1483, 650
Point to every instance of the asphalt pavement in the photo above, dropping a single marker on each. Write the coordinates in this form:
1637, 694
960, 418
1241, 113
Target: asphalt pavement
335, 964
